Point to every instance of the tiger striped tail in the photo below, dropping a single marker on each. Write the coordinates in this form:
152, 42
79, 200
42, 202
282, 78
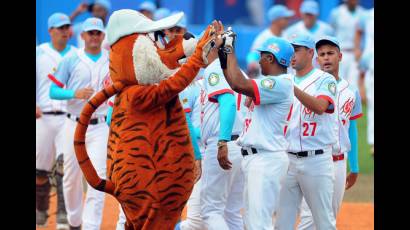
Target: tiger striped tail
83, 159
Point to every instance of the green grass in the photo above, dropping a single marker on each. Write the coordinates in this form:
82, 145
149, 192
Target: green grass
366, 163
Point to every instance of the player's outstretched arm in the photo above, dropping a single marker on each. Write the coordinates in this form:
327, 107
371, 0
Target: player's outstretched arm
229, 65
317, 105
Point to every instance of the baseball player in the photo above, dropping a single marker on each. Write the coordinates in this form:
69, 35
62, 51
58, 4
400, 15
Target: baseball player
343, 20
148, 9
190, 101
99, 9
311, 134
367, 80
349, 108
279, 16
78, 77
365, 28
221, 123
161, 13
50, 119
316, 28
262, 141
310, 25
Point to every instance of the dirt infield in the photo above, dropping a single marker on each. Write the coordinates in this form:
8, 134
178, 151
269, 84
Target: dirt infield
353, 216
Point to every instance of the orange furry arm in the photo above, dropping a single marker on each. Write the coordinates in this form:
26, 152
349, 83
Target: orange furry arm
151, 96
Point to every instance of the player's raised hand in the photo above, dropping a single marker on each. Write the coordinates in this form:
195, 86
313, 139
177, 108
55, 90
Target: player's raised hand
82, 7
219, 28
84, 93
351, 180
38, 112
223, 157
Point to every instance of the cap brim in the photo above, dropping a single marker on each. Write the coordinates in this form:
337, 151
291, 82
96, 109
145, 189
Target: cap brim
125, 22
93, 28
325, 41
161, 24
301, 44
310, 12
61, 24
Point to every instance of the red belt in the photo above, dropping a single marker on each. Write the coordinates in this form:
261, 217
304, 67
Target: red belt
338, 157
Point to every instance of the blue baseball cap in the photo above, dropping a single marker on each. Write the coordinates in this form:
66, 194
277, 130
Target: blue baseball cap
280, 48
58, 19
303, 39
327, 40
161, 13
148, 6
279, 11
309, 7
104, 3
93, 24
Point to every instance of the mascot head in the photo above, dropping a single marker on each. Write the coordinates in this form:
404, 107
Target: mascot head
140, 52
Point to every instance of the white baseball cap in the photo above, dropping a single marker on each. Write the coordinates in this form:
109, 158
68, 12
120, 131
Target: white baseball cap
93, 24
125, 22
58, 19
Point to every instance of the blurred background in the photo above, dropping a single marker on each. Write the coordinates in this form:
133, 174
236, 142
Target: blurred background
248, 17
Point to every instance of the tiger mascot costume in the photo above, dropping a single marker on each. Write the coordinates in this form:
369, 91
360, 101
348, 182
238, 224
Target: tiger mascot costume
150, 162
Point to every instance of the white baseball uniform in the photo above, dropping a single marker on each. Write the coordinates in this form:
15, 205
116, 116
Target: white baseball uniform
367, 66
366, 24
48, 126
344, 24
349, 108
311, 176
221, 190
263, 138
76, 72
190, 100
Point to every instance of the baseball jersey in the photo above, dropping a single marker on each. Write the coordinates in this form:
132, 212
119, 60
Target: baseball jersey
196, 110
267, 115
366, 24
189, 96
216, 84
319, 30
367, 61
78, 71
349, 108
344, 24
47, 60
307, 130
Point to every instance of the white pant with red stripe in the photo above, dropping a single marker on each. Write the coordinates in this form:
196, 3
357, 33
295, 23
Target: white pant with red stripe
221, 193
306, 219
90, 216
311, 177
264, 172
49, 139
